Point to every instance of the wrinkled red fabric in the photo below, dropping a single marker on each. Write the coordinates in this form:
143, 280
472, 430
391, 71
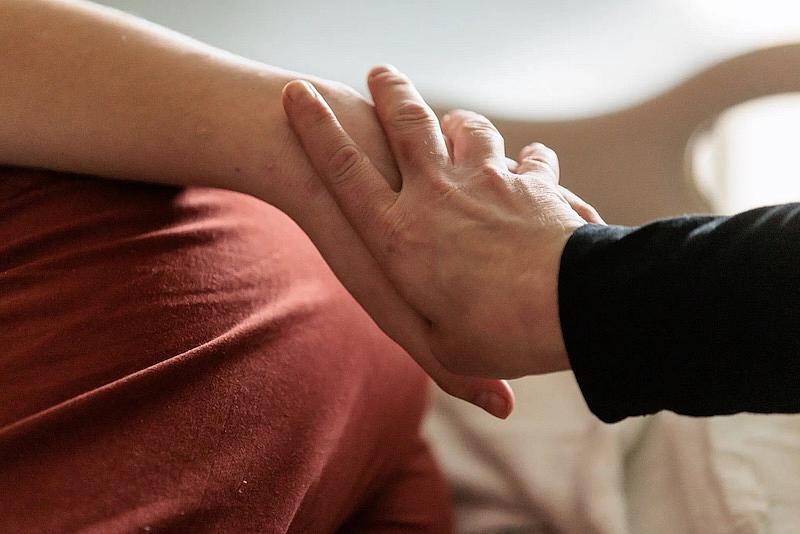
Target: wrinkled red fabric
184, 360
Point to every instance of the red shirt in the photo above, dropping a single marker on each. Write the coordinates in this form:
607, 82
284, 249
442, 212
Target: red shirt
183, 359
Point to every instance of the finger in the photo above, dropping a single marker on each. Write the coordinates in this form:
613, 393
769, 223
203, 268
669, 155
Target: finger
352, 183
512, 165
394, 315
494, 396
413, 130
539, 159
361, 192
474, 139
581, 207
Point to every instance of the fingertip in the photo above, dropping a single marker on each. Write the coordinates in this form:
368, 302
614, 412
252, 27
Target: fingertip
378, 80
497, 403
508, 394
458, 119
379, 70
299, 91
493, 396
460, 115
382, 78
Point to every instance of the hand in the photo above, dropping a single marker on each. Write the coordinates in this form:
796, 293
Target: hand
472, 246
297, 190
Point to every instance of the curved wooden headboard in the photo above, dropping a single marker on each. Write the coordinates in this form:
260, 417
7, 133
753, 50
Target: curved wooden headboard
631, 163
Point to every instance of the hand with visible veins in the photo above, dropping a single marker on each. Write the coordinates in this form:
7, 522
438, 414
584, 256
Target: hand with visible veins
471, 241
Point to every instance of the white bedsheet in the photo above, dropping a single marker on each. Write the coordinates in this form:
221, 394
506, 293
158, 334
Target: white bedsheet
553, 467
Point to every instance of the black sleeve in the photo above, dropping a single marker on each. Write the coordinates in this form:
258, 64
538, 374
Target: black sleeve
698, 315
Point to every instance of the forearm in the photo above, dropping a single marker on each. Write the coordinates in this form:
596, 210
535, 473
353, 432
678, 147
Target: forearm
92, 90
696, 314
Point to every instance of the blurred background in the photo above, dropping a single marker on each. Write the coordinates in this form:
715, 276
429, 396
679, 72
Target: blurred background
512, 58
549, 61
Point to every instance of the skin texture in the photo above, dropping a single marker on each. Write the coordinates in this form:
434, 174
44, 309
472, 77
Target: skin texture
471, 245
152, 105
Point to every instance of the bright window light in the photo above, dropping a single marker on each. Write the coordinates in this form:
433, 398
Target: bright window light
749, 155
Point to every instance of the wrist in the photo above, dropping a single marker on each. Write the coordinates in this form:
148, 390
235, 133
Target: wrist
550, 353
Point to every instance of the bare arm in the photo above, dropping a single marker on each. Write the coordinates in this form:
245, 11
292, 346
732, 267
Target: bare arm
92, 90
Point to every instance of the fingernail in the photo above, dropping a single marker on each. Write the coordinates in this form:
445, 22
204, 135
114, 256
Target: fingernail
381, 69
447, 117
492, 403
299, 90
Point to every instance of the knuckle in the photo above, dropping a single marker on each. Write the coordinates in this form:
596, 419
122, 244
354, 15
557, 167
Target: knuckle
479, 125
536, 147
443, 188
485, 134
534, 164
539, 167
396, 237
542, 152
541, 148
411, 114
344, 162
491, 175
